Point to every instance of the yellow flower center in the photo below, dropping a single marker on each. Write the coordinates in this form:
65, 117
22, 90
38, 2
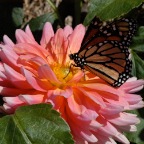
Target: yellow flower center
64, 73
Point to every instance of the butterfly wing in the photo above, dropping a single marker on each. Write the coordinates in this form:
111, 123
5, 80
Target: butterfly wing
121, 30
91, 32
109, 61
105, 50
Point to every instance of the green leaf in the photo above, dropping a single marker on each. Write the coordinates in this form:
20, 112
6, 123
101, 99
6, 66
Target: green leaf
38, 23
137, 137
138, 65
110, 9
36, 124
138, 40
17, 16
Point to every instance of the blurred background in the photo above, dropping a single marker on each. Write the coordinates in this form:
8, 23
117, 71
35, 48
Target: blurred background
17, 13
6, 23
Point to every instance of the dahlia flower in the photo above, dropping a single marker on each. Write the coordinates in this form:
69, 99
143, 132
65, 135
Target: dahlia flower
32, 73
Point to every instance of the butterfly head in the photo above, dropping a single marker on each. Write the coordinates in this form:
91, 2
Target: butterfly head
74, 57
71, 56
79, 61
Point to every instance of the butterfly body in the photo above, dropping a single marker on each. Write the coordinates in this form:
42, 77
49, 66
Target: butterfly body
80, 62
104, 50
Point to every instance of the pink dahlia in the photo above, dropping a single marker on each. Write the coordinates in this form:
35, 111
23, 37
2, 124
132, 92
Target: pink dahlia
32, 73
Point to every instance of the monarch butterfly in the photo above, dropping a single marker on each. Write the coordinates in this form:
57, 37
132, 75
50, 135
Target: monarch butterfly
104, 50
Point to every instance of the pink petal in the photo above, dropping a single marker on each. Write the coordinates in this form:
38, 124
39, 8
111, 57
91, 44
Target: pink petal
9, 57
102, 139
2, 75
58, 102
137, 105
32, 80
118, 101
68, 31
88, 136
112, 131
133, 98
5, 91
84, 110
94, 96
58, 41
76, 38
76, 105
16, 78
125, 119
88, 115
84, 133
38, 60
95, 125
27, 48
32, 99
45, 84
8, 41
47, 34
101, 87
111, 109
29, 33
45, 72
76, 77
12, 101
23, 37
128, 128
67, 92
132, 85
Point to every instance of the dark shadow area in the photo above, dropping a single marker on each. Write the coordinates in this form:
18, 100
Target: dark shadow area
6, 24
66, 8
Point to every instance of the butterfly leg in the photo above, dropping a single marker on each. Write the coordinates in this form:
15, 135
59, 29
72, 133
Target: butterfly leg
70, 69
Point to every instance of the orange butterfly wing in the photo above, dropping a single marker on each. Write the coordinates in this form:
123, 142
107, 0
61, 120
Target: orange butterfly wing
104, 50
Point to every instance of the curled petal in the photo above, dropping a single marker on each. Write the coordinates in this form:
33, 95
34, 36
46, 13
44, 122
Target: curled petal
67, 92
111, 109
9, 57
132, 85
16, 78
32, 99
32, 80
45, 72
76, 77
110, 130
137, 105
11, 104
125, 119
94, 96
12, 101
95, 125
81, 108
88, 136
